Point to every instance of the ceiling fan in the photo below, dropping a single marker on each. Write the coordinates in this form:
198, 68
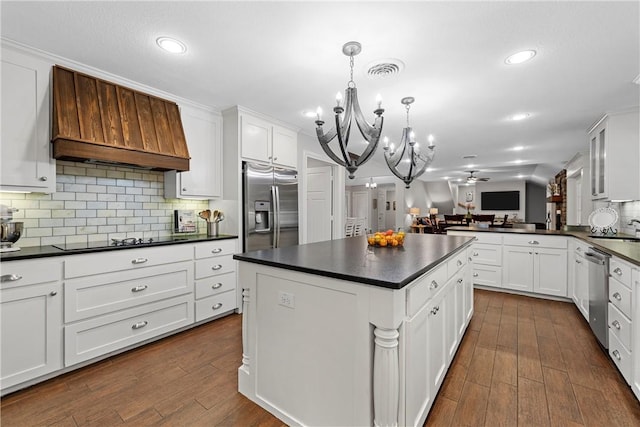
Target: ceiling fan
472, 178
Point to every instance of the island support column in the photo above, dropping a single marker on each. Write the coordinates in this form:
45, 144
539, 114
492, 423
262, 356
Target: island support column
386, 377
245, 370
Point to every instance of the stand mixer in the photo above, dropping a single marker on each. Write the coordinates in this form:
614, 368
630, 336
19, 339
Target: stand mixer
10, 231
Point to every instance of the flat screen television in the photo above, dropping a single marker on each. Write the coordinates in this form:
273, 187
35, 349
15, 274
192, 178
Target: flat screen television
500, 200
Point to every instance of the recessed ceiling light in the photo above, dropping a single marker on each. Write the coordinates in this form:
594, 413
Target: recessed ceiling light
517, 162
445, 177
470, 166
520, 176
518, 148
171, 45
637, 80
309, 113
519, 116
520, 57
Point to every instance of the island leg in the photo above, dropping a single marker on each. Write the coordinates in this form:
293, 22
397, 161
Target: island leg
245, 332
386, 377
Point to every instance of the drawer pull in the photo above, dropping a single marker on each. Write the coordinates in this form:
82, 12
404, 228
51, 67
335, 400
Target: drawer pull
139, 261
616, 354
434, 285
139, 288
579, 249
217, 306
475, 274
460, 280
216, 251
139, 325
617, 296
616, 324
470, 259
53, 293
216, 285
475, 254
459, 263
534, 242
578, 261
10, 278
216, 267
435, 310
618, 271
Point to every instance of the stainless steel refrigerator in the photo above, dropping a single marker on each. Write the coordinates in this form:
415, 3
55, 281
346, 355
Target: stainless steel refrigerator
270, 206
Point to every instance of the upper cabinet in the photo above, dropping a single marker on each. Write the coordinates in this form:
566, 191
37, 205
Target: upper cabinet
26, 162
615, 152
203, 132
267, 142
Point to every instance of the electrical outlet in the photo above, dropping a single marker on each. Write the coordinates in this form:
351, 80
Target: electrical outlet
286, 299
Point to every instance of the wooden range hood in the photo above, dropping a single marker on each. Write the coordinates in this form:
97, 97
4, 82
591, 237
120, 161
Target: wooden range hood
96, 120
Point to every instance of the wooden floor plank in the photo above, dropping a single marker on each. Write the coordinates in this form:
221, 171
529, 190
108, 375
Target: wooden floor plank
472, 407
560, 397
442, 413
502, 407
481, 368
532, 403
550, 354
529, 365
505, 367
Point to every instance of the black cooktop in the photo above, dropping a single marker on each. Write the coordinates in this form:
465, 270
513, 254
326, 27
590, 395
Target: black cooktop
119, 243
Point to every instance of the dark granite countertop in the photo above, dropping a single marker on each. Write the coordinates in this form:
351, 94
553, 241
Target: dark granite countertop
629, 251
49, 250
354, 260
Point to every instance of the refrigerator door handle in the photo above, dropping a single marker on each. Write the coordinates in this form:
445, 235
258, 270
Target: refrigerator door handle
276, 215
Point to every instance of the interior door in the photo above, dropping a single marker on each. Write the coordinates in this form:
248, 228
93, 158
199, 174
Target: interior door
319, 206
360, 200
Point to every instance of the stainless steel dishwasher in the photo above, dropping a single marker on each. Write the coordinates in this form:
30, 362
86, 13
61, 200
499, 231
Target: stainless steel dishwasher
598, 293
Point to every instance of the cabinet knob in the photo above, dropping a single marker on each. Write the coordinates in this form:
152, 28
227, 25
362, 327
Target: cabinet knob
578, 261
139, 325
475, 274
618, 271
434, 285
617, 296
10, 278
460, 281
459, 263
184, 188
534, 242
216, 267
217, 306
216, 286
616, 324
616, 354
530, 253
43, 178
53, 293
275, 158
475, 254
216, 251
139, 288
139, 261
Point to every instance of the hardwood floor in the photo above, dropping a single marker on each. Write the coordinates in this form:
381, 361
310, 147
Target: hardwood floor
523, 362
531, 362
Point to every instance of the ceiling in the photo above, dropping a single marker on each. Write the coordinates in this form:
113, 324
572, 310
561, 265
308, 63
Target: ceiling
284, 58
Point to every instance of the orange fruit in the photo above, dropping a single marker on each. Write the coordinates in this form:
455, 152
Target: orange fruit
383, 242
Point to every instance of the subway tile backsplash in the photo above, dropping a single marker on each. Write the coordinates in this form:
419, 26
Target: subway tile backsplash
97, 203
628, 211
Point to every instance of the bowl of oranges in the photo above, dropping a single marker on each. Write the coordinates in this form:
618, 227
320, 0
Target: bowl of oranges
386, 239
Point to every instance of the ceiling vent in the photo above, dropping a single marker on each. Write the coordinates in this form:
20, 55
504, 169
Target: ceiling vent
385, 68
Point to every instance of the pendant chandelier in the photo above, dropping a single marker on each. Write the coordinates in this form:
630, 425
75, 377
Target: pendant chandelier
344, 116
409, 160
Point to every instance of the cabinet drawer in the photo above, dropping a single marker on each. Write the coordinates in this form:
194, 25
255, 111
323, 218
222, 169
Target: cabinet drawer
487, 275
489, 238
425, 288
215, 285
216, 248
215, 305
620, 326
535, 240
87, 297
620, 356
620, 271
98, 336
486, 254
125, 259
620, 296
214, 266
30, 272
456, 263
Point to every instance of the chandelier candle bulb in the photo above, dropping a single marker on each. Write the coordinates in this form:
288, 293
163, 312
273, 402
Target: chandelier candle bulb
319, 114
339, 99
379, 101
430, 139
386, 141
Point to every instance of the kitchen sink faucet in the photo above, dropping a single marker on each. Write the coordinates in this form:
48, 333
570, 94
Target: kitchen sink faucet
637, 221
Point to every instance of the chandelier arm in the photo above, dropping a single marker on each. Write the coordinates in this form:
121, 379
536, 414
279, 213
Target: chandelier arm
341, 143
325, 139
395, 171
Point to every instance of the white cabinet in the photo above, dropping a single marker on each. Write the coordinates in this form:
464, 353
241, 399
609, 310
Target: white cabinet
262, 140
614, 153
26, 162
535, 264
203, 131
31, 320
620, 316
215, 279
635, 338
579, 276
486, 256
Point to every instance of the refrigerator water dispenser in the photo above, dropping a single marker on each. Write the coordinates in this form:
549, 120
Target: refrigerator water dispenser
262, 208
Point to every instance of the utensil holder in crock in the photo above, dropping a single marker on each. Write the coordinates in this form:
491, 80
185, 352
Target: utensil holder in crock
212, 229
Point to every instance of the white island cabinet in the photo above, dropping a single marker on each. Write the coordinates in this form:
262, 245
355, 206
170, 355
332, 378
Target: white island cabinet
363, 339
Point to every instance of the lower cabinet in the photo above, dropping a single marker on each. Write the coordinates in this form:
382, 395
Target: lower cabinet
433, 335
635, 338
31, 321
539, 270
580, 280
215, 279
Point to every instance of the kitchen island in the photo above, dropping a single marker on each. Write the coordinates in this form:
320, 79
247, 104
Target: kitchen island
341, 333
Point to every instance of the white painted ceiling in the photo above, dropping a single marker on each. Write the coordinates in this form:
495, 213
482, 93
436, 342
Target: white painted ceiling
282, 58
